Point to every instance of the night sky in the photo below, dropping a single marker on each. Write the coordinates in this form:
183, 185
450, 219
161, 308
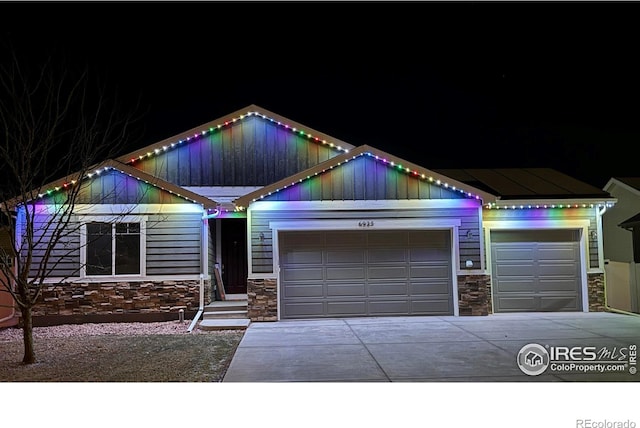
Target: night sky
443, 85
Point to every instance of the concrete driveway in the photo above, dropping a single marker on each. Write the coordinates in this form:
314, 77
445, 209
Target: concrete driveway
440, 348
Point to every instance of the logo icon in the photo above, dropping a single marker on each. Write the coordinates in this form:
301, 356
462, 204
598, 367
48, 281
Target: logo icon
533, 359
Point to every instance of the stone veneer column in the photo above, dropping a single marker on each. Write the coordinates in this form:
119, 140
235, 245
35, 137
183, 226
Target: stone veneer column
262, 299
595, 291
474, 295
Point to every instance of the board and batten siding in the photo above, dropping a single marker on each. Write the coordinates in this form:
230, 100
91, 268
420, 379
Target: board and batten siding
556, 215
114, 187
262, 249
251, 152
363, 178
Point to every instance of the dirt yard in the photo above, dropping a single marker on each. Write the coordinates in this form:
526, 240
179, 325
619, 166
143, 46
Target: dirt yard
119, 352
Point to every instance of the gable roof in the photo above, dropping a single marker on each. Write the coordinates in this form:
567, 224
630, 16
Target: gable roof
134, 173
216, 124
390, 160
632, 184
526, 183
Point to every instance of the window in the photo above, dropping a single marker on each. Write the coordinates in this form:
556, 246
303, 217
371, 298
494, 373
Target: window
113, 248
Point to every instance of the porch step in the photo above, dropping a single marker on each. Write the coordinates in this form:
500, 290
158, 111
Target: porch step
226, 306
224, 324
216, 315
226, 314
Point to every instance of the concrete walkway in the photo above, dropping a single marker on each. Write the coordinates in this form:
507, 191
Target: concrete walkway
429, 349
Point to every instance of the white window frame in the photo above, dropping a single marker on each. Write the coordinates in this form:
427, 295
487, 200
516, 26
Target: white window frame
113, 220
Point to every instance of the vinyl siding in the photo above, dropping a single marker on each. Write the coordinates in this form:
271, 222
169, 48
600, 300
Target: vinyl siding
64, 260
173, 244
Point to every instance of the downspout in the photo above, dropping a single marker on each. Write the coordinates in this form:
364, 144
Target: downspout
200, 307
204, 262
606, 304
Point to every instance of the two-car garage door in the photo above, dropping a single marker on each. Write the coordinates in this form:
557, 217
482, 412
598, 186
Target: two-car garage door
365, 273
536, 270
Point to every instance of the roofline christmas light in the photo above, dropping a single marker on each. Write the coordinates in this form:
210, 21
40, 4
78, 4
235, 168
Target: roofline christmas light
226, 123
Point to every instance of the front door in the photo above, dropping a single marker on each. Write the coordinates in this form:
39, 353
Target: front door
234, 255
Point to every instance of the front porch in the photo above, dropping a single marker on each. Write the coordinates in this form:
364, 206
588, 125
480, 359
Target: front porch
228, 314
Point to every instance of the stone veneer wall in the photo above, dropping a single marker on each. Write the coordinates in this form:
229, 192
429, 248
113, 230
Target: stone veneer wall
595, 290
262, 299
474, 295
113, 298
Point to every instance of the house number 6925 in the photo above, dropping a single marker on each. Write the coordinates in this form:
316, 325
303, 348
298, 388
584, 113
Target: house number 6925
365, 223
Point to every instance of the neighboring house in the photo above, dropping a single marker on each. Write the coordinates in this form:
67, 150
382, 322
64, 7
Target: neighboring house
621, 226
309, 226
9, 314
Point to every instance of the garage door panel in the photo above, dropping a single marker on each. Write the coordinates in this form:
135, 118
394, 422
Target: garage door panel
516, 270
558, 253
557, 269
388, 288
430, 307
435, 271
387, 255
387, 272
387, 239
558, 303
346, 289
515, 304
508, 252
346, 308
433, 255
303, 274
314, 289
429, 239
302, 310
429, 288
518, 285
344, 272
344, 256
345, 238
559, 284
302, 257
304, 239
389, 307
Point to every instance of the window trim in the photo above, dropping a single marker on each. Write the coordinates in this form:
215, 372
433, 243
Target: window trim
141, 219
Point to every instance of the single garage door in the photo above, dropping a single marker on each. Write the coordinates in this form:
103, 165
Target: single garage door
536, 270
365, 273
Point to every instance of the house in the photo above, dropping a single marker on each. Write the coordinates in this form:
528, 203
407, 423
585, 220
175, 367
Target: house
621, 227
9, 314
308, 226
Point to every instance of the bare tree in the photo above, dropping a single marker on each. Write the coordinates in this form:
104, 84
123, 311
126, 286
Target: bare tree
56, 124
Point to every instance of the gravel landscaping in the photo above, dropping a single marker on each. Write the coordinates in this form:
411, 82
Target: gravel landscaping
119, 352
